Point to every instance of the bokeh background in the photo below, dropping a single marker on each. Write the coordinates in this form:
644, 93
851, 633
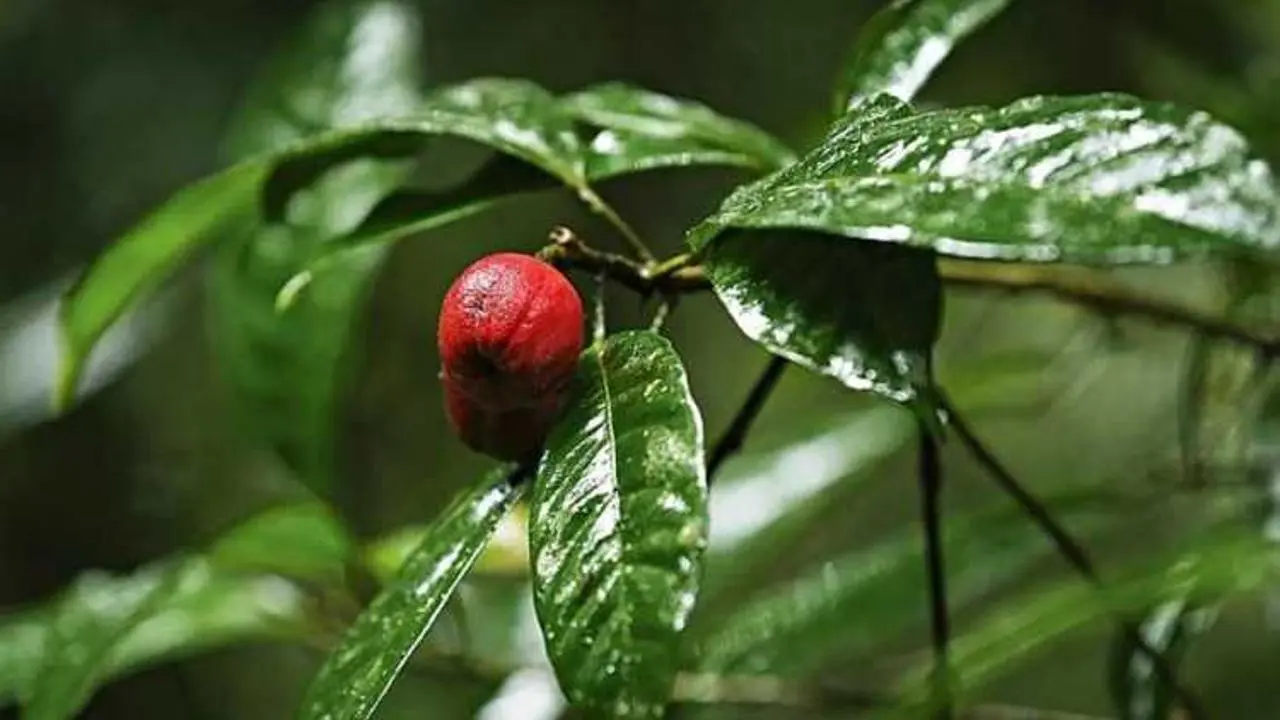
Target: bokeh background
108, 106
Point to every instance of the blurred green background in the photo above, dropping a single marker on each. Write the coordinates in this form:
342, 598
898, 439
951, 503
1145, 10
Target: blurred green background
111, 105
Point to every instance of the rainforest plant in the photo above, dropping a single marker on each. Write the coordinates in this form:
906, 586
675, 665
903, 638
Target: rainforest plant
832, 257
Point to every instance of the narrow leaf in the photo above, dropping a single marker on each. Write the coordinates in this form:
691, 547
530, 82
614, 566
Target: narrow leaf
902, 44
136, 263
354, 61
619, 525
644, 130
852, 604
377, 646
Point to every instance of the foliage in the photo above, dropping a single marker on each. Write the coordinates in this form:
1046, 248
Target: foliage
834, 259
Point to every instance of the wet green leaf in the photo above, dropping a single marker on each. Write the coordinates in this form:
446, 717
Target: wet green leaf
377, 646
355, 61
901, 45
856, 602
1104, 178
104, 626
635, 130
1009, 635
303, 541
1093, 179
136, 263
85, 628
1137, 691
619, 525
643, 130
865, 314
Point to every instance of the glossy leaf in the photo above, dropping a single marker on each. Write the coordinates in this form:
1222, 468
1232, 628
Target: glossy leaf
1093, 179
84, 630
515, 117
862, 313
857, 602
901, 45
1137, 691
128, 622
619, 525
355, 61
1009, 635
303, 541
507, 553
136, 263
635, 131
643, 130
374, 650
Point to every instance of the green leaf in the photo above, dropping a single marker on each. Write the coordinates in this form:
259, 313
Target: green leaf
636, 131
86, 627
643, 130
1093, 179
1009, 635
1136, 689
852, 604
864, 314
302, 541
377, 646
104, 627
355, 61
901, 45
515, 117
22, 638
619, 525
136, 263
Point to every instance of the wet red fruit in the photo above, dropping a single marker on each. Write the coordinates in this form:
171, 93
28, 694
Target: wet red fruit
510, 335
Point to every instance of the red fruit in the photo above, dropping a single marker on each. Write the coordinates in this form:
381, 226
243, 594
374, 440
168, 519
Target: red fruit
510, 335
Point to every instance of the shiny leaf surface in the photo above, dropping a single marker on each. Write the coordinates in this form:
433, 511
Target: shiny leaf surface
104, 627
619, 525
901, 45
374, 650
856, 602
355, 61
1093, 179
643, 130
863, 313
634, 130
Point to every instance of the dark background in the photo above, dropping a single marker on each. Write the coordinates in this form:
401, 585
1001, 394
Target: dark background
108, 106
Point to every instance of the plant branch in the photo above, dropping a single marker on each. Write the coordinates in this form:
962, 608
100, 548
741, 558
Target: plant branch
736, 434
1066, 546
935, 569
681, 275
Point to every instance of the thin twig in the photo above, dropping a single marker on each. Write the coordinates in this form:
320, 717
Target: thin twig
736, 434
935, 569
1073, 285
1095, 291
1066, 546
597, 203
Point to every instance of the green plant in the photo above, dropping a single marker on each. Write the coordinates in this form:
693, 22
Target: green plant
833, 259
